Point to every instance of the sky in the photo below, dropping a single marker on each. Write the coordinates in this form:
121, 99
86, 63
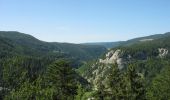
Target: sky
79, 21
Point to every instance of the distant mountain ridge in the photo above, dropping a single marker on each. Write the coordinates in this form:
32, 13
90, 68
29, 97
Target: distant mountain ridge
129, 42
16, 43
106, 44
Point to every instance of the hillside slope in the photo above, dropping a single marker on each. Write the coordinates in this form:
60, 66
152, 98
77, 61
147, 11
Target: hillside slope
152, 55
14, 43
131, 41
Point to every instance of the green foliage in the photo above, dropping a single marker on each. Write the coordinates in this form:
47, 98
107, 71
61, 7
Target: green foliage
85, 67
59, 83
31, 91
15, 70
88, 94
160, 88
27, 71
136, 83
128, 85
116, 83
61, 76
21, 78
80, 92
15, 43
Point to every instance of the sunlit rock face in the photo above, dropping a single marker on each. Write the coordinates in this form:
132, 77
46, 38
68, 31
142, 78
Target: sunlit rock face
162, 52
101, 69
113, 57
99, 75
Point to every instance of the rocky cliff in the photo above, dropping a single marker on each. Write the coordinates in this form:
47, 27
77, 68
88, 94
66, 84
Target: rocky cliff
98, 73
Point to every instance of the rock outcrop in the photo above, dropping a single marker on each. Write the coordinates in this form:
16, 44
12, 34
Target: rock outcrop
98, 75
162, 52
100, 70
113, 57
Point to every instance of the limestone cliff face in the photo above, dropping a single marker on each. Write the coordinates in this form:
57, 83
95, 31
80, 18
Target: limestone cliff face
100, 70
98, 75
113, 57
162, 52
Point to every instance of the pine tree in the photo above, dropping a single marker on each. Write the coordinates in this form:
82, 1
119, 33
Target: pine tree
136, 84
62, 77
80, 92
116, 83
100, 93
160, 88
31, 91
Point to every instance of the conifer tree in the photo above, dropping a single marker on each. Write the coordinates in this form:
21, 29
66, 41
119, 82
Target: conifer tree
62, 77
136, 84
116, 83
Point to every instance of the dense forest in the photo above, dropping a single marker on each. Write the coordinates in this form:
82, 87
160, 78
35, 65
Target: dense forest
31, 69
16, 43
25, 62
144, 76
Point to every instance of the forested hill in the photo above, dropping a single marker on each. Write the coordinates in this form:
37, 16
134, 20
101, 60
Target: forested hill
31, 69
131, 41
106, 44
15, 43
146, 38
137, 71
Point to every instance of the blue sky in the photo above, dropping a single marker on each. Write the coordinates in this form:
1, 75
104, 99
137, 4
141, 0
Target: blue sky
78, 21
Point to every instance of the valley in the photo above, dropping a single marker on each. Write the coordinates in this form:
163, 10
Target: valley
31, 69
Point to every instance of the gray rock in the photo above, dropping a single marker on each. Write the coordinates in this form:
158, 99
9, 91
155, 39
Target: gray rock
162, 52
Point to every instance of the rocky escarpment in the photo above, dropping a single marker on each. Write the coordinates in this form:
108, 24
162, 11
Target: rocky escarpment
162, 52
98, 73
113, 57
